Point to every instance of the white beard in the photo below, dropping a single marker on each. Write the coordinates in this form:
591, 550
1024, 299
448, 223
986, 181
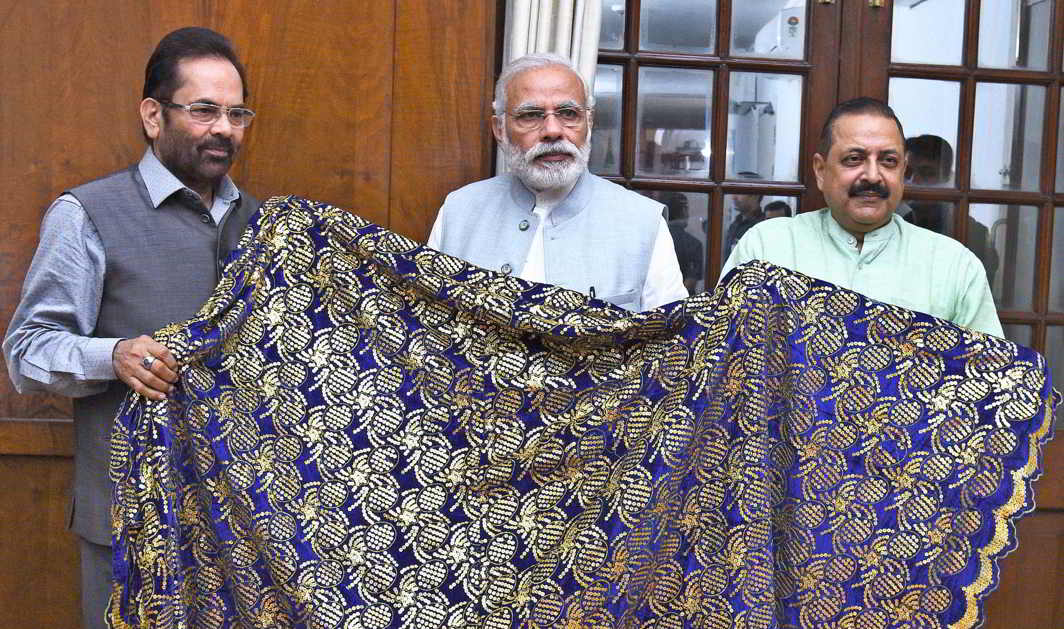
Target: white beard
542, 176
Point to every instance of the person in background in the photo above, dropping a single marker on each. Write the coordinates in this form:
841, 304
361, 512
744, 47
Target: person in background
125, 255
858, 242
930, 163
689, 250
548, 219
777, 209
749, 214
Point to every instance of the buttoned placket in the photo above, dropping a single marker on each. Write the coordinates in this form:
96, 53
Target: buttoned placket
195, 203
874, 244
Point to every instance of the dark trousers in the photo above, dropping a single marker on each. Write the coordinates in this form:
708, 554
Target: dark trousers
95, 583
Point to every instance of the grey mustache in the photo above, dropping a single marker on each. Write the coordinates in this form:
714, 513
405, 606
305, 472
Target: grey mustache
554, 147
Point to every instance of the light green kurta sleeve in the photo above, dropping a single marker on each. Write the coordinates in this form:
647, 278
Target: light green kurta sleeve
974, 304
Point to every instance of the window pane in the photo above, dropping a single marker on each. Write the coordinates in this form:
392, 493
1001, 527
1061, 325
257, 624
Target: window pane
927, 32
1060, 149
934, 215
688, 216
673, 122
764, 125
1055, 357
1018, 333
984, 248
932, 131
1014, 33
1056, 265
678, 25
606, 132
1007, 144
611, 30
770, 28
743, 211
1012, 229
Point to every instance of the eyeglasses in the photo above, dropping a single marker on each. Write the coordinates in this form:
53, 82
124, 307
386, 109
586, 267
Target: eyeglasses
532, 119
208, 113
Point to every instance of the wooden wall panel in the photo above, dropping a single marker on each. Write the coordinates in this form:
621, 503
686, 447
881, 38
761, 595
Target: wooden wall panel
38, 558
321, 78
1049, 490
441, 139
1030, 595
33, 437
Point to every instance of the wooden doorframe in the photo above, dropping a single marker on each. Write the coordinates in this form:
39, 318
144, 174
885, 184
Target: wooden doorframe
827, 36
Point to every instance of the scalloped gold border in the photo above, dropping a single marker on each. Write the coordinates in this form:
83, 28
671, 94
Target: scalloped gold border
1004, 525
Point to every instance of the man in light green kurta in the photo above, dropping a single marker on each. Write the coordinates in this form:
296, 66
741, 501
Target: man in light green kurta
857, 242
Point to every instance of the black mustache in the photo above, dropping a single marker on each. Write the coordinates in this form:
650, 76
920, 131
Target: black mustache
217, 145
867, 186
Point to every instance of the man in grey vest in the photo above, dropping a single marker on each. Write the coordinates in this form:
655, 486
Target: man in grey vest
127, 254
549, 219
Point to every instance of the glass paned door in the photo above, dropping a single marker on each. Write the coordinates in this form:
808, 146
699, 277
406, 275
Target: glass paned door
704, 104
985, 158
725, 98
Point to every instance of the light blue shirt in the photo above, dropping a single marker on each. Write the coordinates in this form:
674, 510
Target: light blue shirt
49, 344
899, 264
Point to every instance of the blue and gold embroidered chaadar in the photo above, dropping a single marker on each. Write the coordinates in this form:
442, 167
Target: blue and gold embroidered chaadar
368, 434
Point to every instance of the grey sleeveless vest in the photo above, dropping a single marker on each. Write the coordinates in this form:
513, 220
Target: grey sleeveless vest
161, 265
601, 236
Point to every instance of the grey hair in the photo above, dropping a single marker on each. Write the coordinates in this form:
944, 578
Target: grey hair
531, 62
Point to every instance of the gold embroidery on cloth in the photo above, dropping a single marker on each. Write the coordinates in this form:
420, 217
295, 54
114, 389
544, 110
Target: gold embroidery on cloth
373, 434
